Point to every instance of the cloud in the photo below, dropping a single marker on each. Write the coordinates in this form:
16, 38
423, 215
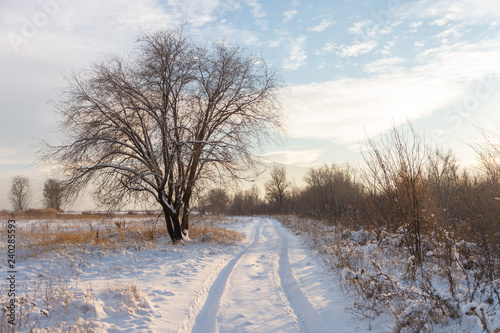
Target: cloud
356, 49
359, 27
257, 11
297, 57
295, 157
444, 11
385, 65
325, 23
345, 110
289, 15
455, 32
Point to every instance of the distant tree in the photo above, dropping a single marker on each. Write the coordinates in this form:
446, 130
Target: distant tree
277, 187
216, 201
20, 193
251, 201
150, 126
237, 203
53, 194
331, 192
246, 202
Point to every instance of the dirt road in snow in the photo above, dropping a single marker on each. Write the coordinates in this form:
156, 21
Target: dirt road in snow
273, 284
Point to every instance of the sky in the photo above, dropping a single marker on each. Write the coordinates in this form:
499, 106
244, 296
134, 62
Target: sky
352, 68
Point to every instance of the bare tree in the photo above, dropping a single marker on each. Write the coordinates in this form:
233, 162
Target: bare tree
277, 187
20, 193
53, 194
150, 126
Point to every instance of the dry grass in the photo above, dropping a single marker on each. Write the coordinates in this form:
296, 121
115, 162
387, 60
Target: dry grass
136, 238
38, 237
215, 235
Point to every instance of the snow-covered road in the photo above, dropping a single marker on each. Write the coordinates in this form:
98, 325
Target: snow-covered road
270, 282
273, 284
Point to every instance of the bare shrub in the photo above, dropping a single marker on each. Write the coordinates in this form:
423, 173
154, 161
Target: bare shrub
396, 169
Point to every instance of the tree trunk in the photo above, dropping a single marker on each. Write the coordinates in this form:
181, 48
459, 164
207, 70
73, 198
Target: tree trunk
177, 228
185, 219
172, 222
168, 224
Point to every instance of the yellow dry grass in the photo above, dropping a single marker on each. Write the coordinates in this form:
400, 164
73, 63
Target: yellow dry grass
215, 235
47, 236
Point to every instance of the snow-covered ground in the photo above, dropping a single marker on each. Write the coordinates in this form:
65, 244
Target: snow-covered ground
270, 282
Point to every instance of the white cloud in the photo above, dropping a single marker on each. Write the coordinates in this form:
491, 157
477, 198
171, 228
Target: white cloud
360, 27
250, 39
325, 23
297, 57
444, 11
344, 109
257, 11
453, 32
356, 49
387, 50
384, 65
289, 15
328, 48
294, 157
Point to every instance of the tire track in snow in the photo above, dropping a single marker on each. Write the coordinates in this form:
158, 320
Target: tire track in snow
308, 318
205, 319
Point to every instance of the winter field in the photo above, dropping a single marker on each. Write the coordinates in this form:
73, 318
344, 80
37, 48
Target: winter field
244, 274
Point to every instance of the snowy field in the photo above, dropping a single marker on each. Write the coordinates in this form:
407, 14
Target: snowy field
269, 282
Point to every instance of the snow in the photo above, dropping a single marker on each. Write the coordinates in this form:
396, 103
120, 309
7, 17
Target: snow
270, 282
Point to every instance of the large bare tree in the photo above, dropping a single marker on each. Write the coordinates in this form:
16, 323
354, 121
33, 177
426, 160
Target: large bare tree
20, 193
150, 125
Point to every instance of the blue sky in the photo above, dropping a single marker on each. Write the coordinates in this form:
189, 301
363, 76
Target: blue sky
352, 68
